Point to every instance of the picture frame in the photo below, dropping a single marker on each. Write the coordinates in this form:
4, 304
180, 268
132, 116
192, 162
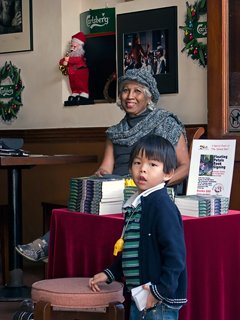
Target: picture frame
20, 39
156, 30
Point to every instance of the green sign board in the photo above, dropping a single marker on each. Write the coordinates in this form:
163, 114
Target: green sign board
200, 30
6, 91
97, 21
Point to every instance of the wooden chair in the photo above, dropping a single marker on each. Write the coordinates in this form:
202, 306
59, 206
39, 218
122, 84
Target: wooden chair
193, 133
4, 242
72, 299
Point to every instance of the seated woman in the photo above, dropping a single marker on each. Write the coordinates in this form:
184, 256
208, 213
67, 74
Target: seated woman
138, 97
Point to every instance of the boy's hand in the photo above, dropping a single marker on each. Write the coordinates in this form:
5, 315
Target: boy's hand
151, 300
93, 282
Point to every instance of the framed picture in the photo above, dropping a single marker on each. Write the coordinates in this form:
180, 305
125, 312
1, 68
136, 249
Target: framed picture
148, 39
16, 26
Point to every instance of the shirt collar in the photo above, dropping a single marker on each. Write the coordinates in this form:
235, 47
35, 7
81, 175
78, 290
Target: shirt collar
135, 199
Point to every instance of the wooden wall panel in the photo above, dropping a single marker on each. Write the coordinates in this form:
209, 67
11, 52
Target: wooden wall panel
57, 135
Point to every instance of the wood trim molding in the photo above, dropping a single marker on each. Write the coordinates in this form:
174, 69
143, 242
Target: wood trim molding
57, 135
64, 135
217, 68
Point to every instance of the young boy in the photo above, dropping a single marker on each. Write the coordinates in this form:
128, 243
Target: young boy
154, 247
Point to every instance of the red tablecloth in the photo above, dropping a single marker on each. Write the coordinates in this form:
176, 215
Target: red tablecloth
82, 245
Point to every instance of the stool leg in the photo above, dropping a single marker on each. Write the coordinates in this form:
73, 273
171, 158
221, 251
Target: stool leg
42, 311
116, 311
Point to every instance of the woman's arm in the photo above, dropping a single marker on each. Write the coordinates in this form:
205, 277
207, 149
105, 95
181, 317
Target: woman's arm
183, 162
107, 164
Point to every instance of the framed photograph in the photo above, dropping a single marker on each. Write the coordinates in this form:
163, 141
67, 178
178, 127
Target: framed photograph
16, 26
148, 39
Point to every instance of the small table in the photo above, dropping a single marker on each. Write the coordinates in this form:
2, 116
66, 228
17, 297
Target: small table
15, 290
81, 245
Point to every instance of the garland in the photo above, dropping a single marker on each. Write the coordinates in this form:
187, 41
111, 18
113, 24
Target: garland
197, 50
110, 80
10, 91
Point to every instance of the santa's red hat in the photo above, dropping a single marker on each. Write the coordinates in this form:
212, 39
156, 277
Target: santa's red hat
79, 38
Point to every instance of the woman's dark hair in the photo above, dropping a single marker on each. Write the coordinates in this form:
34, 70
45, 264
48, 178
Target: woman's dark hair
155, 148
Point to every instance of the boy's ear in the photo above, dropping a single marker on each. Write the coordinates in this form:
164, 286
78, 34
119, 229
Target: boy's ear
168, 176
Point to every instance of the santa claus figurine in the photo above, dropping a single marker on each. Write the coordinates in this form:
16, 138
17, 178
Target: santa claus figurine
74, 65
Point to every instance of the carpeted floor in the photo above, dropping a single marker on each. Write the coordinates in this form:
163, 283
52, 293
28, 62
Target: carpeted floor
32, 272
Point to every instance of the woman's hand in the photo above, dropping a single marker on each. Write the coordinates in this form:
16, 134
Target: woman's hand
101, 172
93, 282
106, 167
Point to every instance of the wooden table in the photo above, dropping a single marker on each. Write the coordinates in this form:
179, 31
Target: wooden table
15, 290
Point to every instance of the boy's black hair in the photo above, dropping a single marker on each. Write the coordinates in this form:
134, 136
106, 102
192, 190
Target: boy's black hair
155, 148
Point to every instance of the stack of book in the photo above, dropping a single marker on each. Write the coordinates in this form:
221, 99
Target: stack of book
97, 195
201, 206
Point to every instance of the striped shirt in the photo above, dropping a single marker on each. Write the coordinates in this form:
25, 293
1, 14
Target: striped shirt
130, 261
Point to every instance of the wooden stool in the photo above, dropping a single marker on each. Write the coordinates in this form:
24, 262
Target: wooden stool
71, 298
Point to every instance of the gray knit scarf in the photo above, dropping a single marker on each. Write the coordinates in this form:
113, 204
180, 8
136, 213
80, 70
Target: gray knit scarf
156, 121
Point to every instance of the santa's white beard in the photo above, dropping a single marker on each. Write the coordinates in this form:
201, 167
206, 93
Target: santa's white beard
77, 53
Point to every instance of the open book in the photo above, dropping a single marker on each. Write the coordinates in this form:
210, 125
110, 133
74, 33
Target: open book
140, 296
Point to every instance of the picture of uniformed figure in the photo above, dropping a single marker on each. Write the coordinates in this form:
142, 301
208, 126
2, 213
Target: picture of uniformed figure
146, 50
206, 165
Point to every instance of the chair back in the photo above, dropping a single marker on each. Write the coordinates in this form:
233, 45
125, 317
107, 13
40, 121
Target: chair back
193, 133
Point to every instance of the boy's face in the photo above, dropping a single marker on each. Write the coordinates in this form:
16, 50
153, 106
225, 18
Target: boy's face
148, 173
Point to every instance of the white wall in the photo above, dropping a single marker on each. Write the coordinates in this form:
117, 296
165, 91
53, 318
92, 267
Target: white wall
54, 22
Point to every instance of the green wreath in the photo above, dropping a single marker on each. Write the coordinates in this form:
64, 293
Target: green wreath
197, 50
10, 91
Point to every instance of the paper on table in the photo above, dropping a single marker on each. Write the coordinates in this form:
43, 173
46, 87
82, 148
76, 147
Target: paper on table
140, 296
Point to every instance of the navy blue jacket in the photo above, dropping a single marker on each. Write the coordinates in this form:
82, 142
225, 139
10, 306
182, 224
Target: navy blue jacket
162, 253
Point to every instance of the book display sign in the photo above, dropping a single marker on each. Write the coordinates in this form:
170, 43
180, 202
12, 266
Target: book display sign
211, 167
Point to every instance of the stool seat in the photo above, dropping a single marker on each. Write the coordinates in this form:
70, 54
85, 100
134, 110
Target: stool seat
75, 293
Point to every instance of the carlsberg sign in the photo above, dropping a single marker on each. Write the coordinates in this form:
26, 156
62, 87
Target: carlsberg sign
98, 21
200, 30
